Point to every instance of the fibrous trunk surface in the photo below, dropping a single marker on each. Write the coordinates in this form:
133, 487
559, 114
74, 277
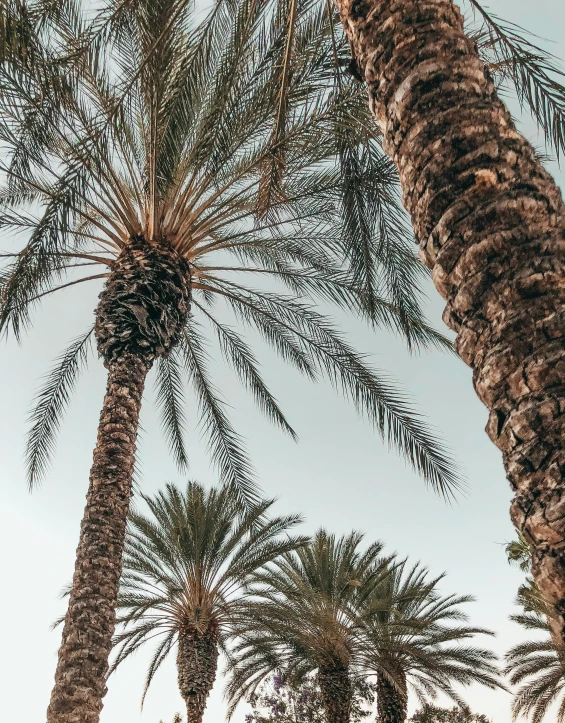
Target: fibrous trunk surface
141, 314
337, 692
391, 700
197, 663
490, 222
80, 680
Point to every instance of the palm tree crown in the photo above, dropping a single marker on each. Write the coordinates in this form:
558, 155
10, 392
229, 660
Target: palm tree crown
174, 132
187, 567
416, 638
308, 618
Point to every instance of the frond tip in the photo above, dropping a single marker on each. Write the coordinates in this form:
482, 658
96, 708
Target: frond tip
50, 406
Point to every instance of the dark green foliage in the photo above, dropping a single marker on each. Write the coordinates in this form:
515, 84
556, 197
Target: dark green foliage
280, 701
432, 714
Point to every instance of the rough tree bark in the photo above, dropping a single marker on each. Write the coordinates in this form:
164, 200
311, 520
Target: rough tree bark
197, 663
490, 222
337, 692
142, 311
391, 702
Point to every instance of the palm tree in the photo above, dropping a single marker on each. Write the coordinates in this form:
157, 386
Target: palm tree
186, 570
308, 619
145, 157
490, 222
537, 666
415, 638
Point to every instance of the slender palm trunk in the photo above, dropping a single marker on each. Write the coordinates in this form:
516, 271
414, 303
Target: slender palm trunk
197, 664
490, 222
391, 700
141, 314
337, 692
80, 680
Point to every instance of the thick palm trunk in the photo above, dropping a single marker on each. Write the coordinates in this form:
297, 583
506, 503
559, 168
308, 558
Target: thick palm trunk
337, 692
490, 222
80, 680
391, 700
142, 311
197, 663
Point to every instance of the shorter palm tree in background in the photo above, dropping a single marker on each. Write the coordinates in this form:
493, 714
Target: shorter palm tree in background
186, 569
330, 609
308, 619
415, 637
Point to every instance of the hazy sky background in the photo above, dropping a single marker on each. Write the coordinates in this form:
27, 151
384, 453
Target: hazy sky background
340, 476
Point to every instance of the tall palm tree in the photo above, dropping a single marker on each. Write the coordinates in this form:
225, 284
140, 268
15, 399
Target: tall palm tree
308, 619
145, 158
416, 638
537, 666
186, 568
490, 222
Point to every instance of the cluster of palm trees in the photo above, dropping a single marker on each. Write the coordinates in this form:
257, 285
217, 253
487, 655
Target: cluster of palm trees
166, 157
204, 575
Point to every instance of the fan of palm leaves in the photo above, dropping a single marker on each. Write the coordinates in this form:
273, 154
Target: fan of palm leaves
152, 119
188, 564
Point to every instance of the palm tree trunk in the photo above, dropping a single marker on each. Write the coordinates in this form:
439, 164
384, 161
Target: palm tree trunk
197, 663
490, 222
337, 692
142, 312
80, 680
391, 701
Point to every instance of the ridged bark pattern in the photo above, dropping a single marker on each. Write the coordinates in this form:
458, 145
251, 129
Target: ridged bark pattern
337, 692
144, 305
80, 679
391, 702
490, 222
197, 664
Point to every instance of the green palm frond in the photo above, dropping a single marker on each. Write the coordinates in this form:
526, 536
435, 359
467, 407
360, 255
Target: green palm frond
170, 400
50, 406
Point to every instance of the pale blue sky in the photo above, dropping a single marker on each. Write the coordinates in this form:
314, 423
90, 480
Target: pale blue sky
339, 476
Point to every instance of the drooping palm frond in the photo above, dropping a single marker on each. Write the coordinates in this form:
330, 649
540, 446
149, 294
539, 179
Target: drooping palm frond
514, 57
51, 403
189, 564
164, 129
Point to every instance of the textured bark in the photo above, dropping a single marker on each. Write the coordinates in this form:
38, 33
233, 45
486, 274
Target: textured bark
89, 625
391, 701
197, 663
337, 692
142, 311
490, 222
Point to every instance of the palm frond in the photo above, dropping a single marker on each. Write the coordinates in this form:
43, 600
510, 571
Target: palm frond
50, 406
